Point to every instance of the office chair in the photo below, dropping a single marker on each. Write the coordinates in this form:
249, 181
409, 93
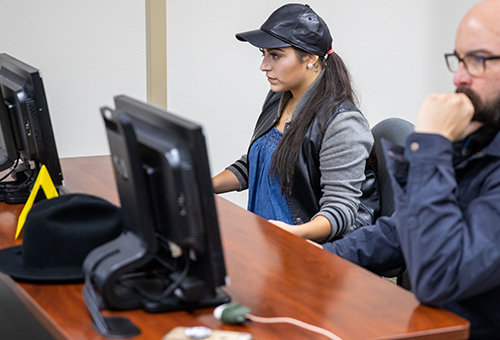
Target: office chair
394, 130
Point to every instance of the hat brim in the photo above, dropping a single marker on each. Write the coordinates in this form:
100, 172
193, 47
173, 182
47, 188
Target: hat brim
11, 264
261, 39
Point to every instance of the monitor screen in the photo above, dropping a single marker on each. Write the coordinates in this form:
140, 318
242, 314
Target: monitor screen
164, 183
26, 136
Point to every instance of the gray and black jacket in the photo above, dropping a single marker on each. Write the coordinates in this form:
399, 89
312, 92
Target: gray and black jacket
330, 177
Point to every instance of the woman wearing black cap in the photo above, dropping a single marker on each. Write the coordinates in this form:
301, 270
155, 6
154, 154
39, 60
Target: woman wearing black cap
307, 156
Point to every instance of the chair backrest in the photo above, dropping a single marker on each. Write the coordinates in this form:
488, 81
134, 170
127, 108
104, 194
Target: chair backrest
395, 130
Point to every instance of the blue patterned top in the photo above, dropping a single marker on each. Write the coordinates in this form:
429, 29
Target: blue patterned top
264, 196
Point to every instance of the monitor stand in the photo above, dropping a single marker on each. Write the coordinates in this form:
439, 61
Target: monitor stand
107, 285
18, 190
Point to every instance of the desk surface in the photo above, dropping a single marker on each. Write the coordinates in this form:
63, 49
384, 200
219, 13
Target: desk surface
272, 272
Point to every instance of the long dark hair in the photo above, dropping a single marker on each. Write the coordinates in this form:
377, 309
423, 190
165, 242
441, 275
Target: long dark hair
333, 89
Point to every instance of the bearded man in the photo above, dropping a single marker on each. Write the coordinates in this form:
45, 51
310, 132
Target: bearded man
446, 183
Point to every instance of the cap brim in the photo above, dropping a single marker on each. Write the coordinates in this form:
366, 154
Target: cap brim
261, 39
11, 264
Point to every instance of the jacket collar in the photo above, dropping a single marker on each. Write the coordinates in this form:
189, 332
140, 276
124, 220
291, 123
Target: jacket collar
493, 149
460, 159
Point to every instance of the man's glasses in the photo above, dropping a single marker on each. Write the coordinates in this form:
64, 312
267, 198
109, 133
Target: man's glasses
475, 65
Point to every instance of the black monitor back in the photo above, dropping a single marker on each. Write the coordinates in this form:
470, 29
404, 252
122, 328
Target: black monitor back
163, 177
24, 118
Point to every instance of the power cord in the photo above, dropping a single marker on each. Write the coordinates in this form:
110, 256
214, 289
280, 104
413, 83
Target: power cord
234, 313
294, 322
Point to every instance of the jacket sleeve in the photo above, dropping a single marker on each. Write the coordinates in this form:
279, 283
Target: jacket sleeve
345, 148
451, 244
240, 170
374, 247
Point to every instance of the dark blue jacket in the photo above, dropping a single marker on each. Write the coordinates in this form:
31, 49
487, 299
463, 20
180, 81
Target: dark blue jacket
446, 229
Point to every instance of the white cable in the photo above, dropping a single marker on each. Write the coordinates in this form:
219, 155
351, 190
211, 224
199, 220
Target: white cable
295, 322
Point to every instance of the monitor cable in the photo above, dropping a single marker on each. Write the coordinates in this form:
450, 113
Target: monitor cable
12, 169
13, 187
128, 282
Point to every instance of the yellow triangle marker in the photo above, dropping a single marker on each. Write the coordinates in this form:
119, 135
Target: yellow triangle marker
43, 180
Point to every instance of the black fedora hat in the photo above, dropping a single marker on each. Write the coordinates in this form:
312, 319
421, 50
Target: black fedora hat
292, 25
58, 235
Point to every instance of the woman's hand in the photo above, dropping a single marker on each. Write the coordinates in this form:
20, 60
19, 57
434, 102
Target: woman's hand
315, 244
316, 230
288, 227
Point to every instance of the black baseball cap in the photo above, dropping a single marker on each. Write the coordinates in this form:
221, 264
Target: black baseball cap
292, 25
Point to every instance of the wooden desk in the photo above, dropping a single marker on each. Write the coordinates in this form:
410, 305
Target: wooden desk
271, 271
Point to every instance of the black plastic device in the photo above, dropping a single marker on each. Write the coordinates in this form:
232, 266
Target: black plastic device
26, 137
169, 256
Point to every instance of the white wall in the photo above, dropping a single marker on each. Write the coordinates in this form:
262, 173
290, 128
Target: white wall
91, 50
393, 48
88, 51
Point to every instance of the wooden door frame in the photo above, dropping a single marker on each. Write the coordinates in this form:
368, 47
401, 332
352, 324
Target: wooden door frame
156, 52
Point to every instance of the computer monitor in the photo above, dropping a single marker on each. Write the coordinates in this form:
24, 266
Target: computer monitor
26, 137
169, 256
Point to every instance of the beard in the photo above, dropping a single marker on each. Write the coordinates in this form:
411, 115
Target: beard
487, 113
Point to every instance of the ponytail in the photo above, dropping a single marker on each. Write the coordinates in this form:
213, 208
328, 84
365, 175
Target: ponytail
333, 89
